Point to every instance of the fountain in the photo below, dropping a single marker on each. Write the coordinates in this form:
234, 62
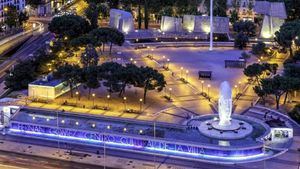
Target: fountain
224, 126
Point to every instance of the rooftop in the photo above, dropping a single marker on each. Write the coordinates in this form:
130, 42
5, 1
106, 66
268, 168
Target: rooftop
47, 81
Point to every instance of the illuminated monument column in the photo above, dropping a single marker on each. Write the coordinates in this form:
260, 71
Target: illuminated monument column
225, 104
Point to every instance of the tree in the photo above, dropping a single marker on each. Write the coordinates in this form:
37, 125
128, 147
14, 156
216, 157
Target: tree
90, 79
92, 13
259, 49
101, 36
246, 27
34, 3
112, 73
70, 26
241, 41
70, 74
83, 40
130, 75
105, 35
11, 19
287, 34
295, 113
234, 17
254, 71
289, 84
273, 86
245, 56
20, 76
219, 7
89, 57
292, 70
152, 79
166, 11
23, 17
115, 37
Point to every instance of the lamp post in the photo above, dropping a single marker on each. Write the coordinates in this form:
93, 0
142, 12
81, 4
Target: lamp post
141, 104
108, 97
163, 58
124, 100
77, 96
186, 75
181, 72
208, 87
93, 95
236, 90
202, 83
170, 90
211, 26
168, 63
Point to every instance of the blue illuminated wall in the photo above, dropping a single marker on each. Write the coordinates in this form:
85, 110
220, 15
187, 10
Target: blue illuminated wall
139, 143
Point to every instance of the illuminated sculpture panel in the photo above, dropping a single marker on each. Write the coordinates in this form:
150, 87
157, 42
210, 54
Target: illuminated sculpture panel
171, 24
121, 20
193, 23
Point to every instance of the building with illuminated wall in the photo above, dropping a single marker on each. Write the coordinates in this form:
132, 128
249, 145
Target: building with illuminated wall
47, 88
19, 4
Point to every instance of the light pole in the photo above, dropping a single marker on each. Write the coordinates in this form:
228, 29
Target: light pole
77, 96
181, 72
124, 100
236, 90
93, 95
170, 90
202, 83
141, 104
108, 97
163, 58
208, 87
168, 63
186, 75
211, 26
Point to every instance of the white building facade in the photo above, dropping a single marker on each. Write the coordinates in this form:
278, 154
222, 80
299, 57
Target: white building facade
19, 4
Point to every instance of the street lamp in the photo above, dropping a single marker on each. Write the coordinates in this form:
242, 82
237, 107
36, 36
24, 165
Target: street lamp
163, 58
168, 63
181, 72
131, 60
124, 101
141, 104
208, 87
77, 96
202, 83
170, 90
108, 97
93, 95
186, 75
